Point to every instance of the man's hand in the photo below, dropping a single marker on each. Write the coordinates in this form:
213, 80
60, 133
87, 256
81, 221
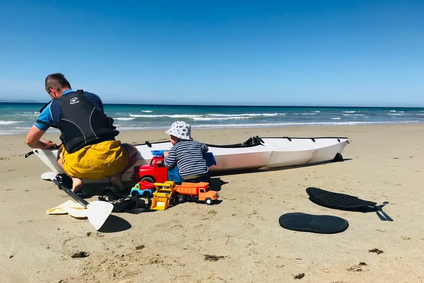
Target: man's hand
49, 144
165, 153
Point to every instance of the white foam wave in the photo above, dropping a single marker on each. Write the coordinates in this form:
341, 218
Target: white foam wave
8, 122
174, 116
26, 114
247, 115
354, 114
21, 130
183, 116
347, 123
146, 116
306, 114
273, 114
124, 119
194, 117
219, 118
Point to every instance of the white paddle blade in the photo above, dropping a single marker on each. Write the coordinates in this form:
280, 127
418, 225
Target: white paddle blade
98, 212
48, 176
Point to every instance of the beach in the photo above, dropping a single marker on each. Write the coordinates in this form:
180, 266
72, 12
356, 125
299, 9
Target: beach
238, 239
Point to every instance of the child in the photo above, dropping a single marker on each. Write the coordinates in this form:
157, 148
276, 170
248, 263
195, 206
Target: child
187, 154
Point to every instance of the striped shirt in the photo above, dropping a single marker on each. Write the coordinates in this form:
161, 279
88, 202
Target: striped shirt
188, 156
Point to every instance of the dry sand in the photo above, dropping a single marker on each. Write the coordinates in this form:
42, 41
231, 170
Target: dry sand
237, 240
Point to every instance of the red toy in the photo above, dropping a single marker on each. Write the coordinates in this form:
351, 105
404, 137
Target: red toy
156, 171
144, 189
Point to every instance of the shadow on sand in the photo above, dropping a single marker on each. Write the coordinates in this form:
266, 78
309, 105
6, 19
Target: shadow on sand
115, 224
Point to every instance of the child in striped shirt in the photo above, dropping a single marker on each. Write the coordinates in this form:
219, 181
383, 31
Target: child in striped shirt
187, 154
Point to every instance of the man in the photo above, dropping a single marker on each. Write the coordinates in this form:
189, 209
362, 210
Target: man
89, 149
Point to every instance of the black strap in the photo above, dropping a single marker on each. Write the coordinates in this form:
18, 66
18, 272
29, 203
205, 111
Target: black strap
48, 124
42, 122
29, 154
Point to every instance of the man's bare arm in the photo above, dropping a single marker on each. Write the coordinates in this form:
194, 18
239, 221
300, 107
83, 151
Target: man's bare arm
33, 139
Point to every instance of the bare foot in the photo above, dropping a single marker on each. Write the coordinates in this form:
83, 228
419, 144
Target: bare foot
76, 184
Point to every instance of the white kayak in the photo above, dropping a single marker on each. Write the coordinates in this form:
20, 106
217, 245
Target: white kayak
255, 153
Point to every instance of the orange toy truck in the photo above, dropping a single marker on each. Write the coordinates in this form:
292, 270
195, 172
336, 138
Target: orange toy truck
195, 192
167, 192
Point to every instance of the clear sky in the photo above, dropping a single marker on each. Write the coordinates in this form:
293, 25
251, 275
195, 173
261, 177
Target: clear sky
294, 52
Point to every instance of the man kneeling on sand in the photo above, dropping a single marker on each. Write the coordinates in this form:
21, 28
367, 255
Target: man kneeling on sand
89, 149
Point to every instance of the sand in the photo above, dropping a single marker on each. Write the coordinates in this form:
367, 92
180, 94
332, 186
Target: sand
239, 239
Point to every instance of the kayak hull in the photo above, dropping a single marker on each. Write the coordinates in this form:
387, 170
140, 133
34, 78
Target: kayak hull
255, 153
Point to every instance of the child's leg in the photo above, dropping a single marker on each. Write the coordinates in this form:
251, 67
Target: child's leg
205, 178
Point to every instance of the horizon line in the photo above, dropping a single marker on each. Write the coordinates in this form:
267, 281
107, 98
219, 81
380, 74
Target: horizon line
217, 105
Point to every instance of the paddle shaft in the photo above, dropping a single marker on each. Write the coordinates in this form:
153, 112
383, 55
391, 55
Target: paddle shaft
70, 193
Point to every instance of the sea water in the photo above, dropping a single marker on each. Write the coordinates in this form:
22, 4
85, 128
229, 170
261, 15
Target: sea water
17, 118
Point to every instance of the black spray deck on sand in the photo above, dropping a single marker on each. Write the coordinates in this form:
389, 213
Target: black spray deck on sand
328, 224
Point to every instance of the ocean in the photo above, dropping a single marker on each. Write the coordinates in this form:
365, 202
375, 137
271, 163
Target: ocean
17, 118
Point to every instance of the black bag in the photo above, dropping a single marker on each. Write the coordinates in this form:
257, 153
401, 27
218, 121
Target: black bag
125, 203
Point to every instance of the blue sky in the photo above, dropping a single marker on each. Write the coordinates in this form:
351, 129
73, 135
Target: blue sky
334, 53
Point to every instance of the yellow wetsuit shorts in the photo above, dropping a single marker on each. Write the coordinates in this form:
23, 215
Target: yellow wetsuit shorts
96, 161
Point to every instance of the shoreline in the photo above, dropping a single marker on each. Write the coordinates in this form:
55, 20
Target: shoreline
239, 239
231, 128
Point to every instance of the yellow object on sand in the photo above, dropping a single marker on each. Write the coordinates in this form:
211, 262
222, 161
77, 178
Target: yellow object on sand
162, 196
96, 161
69, 207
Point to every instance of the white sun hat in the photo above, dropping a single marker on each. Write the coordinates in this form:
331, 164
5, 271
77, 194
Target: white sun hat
181, 130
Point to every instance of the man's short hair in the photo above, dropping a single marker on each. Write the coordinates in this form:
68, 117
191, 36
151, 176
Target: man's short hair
56, 81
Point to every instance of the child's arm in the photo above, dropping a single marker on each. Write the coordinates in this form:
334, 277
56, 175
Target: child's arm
204, 148
170, 159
